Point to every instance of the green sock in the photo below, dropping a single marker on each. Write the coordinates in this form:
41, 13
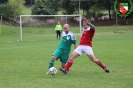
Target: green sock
51, 63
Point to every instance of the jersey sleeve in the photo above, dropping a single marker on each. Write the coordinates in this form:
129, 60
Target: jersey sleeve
92, 26
56, 27
73, 38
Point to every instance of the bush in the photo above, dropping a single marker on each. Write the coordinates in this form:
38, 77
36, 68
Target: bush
45, 7
11, 9
5, 12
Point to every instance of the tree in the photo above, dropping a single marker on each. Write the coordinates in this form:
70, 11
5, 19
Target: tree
68, 6
5, 12
11, 9
95, 12
45, 7
107, 4
86, 5
97, 5
16, 7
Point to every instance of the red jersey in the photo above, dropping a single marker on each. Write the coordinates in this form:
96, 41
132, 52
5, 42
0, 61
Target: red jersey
86, 38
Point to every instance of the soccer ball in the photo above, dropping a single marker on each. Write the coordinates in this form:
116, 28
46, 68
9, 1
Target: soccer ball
52, 70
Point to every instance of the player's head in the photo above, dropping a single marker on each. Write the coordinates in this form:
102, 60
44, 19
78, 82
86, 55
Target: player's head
85, 23
58, 23
85, 26
66, 28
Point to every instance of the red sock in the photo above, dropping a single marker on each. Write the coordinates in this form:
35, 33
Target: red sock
68, 65
101, 64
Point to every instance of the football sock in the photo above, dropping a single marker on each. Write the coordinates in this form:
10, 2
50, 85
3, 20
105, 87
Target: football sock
68, 65
51, 63
101, 64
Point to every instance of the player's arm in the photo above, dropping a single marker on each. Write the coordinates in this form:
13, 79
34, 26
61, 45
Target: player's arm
75, 46
56, 28
74, 41
91, 25
86, 21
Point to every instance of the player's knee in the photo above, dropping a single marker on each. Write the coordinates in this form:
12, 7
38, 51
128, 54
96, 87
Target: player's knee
71, 57
63, 65
97, 61
53, 58
94, 60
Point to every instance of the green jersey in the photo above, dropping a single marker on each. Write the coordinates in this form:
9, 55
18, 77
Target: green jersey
63, 50
67, 41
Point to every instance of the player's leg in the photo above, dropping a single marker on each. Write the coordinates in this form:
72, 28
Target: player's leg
63, 65
56, 35
51, 63
77, 52
70, 61
54, 57
59, 34
88, 50
98, 62
64, 58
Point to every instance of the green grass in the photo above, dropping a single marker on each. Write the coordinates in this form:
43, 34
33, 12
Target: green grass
27, 10
24, 64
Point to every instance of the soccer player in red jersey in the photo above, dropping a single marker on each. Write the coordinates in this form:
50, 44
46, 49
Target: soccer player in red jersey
85, 46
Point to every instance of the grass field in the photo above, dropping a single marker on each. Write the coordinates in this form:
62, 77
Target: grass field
27, 10
24, 64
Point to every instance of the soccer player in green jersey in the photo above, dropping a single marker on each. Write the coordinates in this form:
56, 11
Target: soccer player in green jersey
63, 49
58, 29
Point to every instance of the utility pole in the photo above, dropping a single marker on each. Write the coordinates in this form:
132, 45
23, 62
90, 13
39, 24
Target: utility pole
79, 6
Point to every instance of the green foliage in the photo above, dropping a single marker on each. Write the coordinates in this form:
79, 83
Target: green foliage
96, 6
107, 4
11, 9
68, 7
45, 7
91, 9
85, 5
16, 7
5, 12
95, 12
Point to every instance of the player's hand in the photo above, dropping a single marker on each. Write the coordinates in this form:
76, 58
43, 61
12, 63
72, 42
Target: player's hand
85, 21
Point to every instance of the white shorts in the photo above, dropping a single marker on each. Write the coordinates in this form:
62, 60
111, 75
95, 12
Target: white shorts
84, 49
